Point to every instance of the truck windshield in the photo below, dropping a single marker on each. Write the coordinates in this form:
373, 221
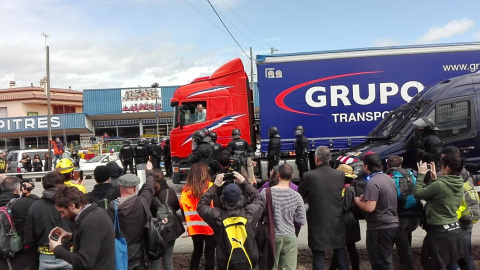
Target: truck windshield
394, 121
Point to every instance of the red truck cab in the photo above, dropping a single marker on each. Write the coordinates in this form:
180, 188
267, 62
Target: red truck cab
226, 101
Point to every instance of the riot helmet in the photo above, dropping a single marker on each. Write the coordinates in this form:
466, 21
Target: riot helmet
236, 133
213, 135
141, 141
273, 132
205, 130
425, 123
198, 136
299, 130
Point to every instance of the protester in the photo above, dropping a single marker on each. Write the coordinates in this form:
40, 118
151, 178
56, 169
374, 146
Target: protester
408, 219
37, 166
11, 191
287, 208
465, 212
352, 226
172, 234
379, 202
93, 236
232, 206
65, 166
26, 162
198, 181
42, 218
103, 189
115, 172
58, 150
48, 163
443, 197
322, 189
132, 215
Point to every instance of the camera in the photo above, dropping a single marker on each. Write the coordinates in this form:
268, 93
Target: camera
228, 176
429, 167
54, 236
30, 188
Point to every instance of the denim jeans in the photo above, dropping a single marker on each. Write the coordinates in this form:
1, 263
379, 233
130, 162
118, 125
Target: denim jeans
319, 259
167, 258
51, 262
379, 246
406, 225
468, 262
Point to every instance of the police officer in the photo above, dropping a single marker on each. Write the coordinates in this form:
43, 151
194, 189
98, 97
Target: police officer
216, 149
167, 158
202, 152
274, 145
155, 154
141, 153
427, 142
301, 150
126, 155
239, 149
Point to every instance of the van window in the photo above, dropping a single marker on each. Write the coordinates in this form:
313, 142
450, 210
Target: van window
454, 119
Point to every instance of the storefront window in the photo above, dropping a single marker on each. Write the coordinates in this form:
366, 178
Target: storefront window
128, 132
151, 130
10, 144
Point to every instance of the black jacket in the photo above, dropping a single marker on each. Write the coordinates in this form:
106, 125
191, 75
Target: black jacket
132, 218
19, 209
213, 217
322, 189
274, 145
42, 218
203, 153
178, 228
239, 147
301, 147
126, 153
141, 154
216, 149
93, 241
100, 192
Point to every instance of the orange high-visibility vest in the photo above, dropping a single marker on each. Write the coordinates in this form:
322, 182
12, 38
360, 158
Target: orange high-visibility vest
195, 224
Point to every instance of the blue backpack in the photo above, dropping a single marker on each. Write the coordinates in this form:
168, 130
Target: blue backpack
405, 181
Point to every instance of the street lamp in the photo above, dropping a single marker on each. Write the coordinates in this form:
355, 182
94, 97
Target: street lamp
154, 86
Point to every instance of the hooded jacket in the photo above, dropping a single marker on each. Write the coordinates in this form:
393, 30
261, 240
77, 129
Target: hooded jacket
133, 218
115, 172
443, 197
213, 216
42, 218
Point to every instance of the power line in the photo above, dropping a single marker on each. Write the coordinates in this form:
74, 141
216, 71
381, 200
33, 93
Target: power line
205, 17
227, 29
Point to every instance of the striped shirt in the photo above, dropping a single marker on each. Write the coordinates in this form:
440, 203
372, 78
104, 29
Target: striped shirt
287, 207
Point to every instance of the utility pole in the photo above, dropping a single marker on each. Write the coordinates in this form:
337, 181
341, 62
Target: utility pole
49, 113
252, 84
154, 86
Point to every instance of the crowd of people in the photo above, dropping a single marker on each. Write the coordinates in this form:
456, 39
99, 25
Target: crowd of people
68, 228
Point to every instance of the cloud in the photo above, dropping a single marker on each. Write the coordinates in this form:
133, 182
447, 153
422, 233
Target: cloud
385, 42
452, 28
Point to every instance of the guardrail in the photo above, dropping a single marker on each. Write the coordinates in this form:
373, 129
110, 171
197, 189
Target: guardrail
32, 175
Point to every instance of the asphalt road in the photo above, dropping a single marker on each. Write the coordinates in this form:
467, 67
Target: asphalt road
184, 243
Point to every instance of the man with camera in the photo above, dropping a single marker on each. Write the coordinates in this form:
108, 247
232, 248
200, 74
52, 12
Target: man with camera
12, 188
232, 205
42, 218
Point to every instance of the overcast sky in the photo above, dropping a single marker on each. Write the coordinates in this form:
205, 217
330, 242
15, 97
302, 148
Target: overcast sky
127, 43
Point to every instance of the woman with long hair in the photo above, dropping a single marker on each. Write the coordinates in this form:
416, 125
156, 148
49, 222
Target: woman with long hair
198, 181
37, 166
443, 245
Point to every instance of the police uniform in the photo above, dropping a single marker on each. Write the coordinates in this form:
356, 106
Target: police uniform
203, 153
273, 153
167, 158
126, 155
216, 149
301, 154
141, 154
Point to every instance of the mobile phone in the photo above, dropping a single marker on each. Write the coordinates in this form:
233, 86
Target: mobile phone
81, 174
429, 167
54, 236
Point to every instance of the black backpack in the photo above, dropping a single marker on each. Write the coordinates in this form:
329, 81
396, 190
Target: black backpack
356, 211
10, 242
154, 236
165, 214
103, 203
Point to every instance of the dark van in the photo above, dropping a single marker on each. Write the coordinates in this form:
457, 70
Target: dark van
454, 104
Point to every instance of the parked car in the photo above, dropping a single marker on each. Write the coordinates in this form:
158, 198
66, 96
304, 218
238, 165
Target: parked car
15, 156
100, 160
